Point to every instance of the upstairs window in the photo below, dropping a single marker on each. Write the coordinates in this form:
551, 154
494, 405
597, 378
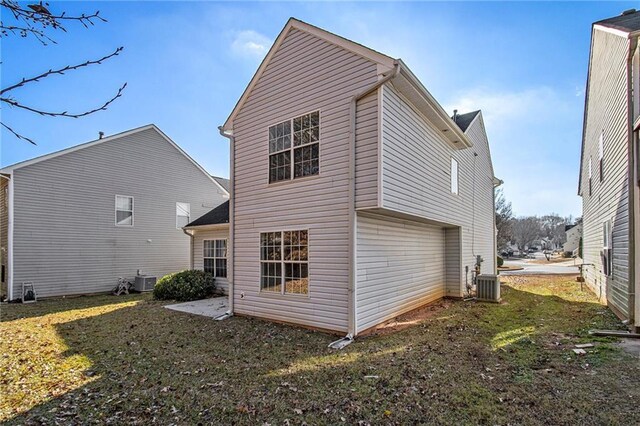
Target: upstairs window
294, 148
454, 176
601, 156
183, 213
215, 257
124, 210
284, 262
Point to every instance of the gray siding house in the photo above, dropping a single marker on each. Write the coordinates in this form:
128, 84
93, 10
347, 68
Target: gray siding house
609, 166
356, 197
75, 220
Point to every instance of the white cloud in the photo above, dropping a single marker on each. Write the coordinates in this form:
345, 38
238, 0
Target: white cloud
250, 44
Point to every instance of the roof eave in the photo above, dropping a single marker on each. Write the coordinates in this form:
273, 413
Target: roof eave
210, 226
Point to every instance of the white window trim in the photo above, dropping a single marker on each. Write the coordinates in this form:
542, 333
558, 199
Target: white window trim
282, 262
456, 190
226, 245
292, 148
133, 211
188, 216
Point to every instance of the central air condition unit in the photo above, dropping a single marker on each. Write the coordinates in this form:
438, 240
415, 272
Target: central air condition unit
144, 283
488, 288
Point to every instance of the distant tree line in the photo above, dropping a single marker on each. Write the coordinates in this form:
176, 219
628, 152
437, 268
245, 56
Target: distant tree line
544, 232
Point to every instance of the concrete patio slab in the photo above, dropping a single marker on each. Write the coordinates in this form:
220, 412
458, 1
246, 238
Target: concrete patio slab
213, 307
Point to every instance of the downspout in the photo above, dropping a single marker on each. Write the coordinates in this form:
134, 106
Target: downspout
633, 44
231, 248
191, 247
9, 271
339, 344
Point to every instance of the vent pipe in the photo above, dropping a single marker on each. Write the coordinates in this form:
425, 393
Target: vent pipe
100, 135
455, 115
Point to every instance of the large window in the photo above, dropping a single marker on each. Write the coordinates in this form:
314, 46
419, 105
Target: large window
284, 263
124, 210
215, 257
298, 138
454, 176
183, 212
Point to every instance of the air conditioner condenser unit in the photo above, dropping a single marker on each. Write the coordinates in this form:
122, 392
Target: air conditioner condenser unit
488, 288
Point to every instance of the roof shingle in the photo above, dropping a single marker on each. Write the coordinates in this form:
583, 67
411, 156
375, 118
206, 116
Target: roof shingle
216, 216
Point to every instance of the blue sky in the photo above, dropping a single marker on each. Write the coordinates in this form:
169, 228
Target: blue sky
187, 63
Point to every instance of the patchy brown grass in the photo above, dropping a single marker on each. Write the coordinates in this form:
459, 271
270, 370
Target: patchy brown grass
128, 360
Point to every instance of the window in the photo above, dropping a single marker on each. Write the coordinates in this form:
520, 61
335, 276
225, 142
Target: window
601, 156
454, 176
183, 211
284, 266
124, 210
214, 254
298, 138
590, 176
607, 258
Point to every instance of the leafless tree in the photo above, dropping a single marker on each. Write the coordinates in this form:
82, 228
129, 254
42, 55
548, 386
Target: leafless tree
37, 21
525, 231
504, 214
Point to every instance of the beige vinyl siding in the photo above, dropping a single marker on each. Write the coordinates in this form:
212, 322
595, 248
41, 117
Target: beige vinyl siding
4, 228
607, 110
367, 134
305, 74
65, 238
400, 267
453, 261
416, 179
198, 251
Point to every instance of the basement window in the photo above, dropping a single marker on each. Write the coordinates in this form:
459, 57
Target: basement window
214, 256
124, 210
284, 263
298, 138
607, 249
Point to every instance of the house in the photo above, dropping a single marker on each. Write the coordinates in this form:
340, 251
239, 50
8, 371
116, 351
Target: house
573, 234
355, 196
209, 242
75, 220
609, 174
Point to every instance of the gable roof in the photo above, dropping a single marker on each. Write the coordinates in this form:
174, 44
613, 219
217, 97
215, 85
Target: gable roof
225, 183
464, 120
16, 166
628, 21
404, 80
216, 216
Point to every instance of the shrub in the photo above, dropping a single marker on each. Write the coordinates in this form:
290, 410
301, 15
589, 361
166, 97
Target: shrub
500, 261
185, 286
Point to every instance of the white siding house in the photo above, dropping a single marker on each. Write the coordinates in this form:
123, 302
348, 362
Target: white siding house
609, 166
80, 218
356, 197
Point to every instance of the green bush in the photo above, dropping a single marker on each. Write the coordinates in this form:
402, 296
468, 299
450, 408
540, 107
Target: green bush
500, 261
185, 286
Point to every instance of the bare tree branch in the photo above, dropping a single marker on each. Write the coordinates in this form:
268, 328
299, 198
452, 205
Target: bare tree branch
17, 104
17, 135
61, 71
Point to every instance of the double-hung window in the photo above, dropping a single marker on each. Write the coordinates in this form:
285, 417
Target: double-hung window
284, 262
601, 156
294, 148
607, 249
183, 212
124, 210
215, 257
590, 173
454, 176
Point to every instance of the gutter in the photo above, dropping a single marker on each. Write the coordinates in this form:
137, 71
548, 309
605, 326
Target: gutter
231, 248
351, 331
191, 247
631, 290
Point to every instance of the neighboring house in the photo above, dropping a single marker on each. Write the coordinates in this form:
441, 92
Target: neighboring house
573, 233
75, 220
609, 166
356, 197
209, 245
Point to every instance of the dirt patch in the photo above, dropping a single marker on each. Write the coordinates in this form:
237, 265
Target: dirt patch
409, 319
630, 346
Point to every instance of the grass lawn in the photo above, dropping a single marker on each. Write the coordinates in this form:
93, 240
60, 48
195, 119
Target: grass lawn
119, 360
